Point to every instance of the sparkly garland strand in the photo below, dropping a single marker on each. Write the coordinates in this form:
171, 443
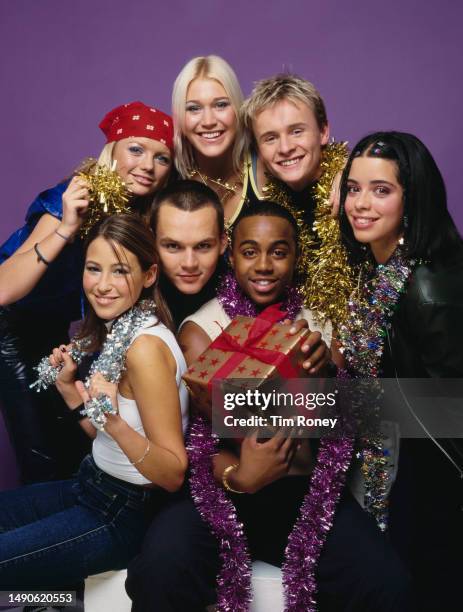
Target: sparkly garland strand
217, 510
308, 536
323, 263
235, 302
110, 363
47, 374
362, 338
108, 195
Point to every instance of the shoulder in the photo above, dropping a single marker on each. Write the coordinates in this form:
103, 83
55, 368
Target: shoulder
149, 348
154, 336
48, 201
209, 316
436, 284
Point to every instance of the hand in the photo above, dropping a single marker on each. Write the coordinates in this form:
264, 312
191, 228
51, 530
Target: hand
99, 385
335, 194
75, 204
317, 352
61, 357
263, 463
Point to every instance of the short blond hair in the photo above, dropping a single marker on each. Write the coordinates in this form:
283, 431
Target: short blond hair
90, 163
208, 67
269, 92
106, 155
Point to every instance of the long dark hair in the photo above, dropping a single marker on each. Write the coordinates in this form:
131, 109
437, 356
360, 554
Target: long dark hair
430, 232
129, 232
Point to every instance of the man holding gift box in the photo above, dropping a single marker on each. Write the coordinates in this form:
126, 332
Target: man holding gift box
180, 560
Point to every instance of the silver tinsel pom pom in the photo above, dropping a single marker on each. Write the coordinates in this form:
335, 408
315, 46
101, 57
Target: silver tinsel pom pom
110, 363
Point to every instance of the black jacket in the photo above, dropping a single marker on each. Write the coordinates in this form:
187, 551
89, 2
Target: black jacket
426, 340
426, 336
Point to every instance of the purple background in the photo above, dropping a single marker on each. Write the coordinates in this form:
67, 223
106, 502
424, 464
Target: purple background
379, 65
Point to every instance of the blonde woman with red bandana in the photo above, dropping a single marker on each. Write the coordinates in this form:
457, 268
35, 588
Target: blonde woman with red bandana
40, 286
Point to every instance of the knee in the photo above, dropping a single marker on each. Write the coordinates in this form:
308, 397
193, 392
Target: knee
178, 549
388, 588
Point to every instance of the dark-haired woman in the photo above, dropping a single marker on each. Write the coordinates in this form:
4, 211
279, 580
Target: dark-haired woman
57, 533
40, 286
396, 225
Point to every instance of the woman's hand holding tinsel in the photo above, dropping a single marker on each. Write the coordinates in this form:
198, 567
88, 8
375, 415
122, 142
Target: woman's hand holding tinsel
100, 399
49, 368
75, 205
65, 365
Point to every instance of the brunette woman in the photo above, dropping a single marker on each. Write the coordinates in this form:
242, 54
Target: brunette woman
397, 226
57, 533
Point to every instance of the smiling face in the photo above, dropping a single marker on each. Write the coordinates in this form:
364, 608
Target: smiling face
289, 141
142, 163
210, 121
375, 204
264, 257
189, 245
113, 282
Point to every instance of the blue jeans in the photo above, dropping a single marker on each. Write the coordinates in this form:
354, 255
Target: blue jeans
57, 533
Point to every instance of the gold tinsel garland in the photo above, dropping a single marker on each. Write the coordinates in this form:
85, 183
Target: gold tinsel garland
108, 195
327, 278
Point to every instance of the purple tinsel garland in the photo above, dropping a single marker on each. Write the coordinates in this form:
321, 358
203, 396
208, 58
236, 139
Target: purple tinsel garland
234, 579
235, 302
306, 540
217, 510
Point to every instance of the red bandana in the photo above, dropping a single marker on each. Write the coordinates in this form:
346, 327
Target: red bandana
137, 119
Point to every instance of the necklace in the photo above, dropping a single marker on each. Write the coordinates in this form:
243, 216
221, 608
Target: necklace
235, 302
217, 510
228, 189
370, 310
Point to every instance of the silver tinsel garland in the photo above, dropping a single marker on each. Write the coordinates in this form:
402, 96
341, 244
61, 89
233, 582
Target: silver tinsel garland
110, 363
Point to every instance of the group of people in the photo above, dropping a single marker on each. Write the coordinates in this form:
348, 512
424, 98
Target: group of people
236, 206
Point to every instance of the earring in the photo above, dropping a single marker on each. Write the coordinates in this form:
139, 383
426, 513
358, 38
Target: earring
405, 221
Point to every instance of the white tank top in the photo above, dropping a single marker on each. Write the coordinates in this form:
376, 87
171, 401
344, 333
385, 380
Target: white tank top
106, 452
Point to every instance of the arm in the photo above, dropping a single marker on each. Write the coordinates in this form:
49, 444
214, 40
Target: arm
66, 385
21, 272
439, 329
259, 463
193, 341
431, 320
151, 370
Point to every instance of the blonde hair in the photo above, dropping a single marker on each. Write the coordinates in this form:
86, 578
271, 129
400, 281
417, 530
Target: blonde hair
105, 159
208, 67
269, 92
106, 155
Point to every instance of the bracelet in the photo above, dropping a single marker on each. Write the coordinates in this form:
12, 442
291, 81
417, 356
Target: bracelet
225, 474
142, 458
75, 414
40, 257
65, 238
